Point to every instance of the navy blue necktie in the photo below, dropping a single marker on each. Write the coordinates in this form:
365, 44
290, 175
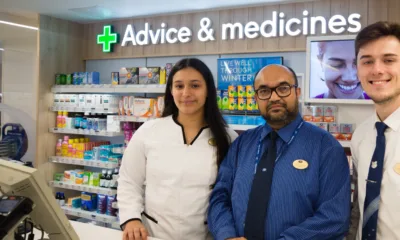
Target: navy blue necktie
373, 187
260, 192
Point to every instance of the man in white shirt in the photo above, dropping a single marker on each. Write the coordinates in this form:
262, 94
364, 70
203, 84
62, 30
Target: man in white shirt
375, 144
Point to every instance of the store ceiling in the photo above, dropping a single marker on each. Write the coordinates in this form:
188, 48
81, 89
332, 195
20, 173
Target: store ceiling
94, 10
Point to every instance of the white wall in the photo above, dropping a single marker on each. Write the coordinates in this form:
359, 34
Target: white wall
20, 81
297, 60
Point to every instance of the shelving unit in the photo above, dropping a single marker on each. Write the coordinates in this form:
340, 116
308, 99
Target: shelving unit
108, 88
85, 132
131, 119
81, 162
83, 188
79, 109
89, 215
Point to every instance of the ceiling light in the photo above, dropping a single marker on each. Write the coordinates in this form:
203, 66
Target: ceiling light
1, 49
18, 25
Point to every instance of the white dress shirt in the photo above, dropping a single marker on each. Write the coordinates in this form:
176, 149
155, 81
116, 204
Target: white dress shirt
168, 180
362, 149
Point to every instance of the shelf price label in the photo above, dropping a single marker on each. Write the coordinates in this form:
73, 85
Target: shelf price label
98, 164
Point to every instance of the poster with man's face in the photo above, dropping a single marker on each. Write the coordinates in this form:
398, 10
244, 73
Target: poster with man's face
333, 71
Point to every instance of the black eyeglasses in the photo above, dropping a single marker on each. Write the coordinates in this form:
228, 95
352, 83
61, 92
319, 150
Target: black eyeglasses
283, 90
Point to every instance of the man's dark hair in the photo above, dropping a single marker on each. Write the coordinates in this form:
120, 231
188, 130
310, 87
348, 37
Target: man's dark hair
290, 69
375, 31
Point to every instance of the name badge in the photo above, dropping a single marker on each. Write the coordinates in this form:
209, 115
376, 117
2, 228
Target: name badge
396, 168
300, 164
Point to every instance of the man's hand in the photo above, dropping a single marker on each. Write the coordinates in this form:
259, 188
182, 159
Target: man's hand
135, 230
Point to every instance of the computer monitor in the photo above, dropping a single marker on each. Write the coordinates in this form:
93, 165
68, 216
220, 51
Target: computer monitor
19, 180
331, 71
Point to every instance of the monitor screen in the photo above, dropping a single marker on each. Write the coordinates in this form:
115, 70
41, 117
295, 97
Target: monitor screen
332, 71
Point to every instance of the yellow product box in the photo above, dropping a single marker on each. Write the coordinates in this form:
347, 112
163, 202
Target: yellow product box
251, 104
143, 107
233, 104
163, 75
242, 104
241, 91
232, 91
250, 91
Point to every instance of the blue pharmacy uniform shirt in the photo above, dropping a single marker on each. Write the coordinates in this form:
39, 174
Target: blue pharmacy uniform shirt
311, 203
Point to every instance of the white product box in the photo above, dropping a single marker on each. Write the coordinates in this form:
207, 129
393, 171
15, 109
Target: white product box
89, 101
56, 101
74, 100
143, 107
131, 105
113, 125
98, 101
81, 100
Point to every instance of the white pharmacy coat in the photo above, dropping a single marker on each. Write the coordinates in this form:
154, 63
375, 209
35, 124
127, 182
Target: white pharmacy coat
167, 183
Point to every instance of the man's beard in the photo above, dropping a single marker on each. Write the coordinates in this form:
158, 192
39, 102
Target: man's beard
284, 118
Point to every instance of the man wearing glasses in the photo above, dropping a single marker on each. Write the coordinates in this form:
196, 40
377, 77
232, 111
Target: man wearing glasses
287, 179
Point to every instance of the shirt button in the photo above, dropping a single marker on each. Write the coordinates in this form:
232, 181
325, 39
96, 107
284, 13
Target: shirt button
264, 169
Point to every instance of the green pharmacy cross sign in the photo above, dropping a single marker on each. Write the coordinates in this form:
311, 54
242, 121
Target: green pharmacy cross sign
108, 38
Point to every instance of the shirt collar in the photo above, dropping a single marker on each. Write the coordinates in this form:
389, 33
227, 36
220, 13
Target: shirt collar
392, 121
286, 132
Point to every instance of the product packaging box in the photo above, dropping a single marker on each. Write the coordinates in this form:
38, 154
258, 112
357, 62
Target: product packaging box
163, 76
89, 201
56, 100
242, 104
125, 100
330, 113
308, 113
233, 104
168, 69
90, 101
74, 100
129, 75
130, 105
334, 129
81, 100
318, 113
93, 77
159, 106
225, 100
232, 91
114, 78
219, 99
98, 101
346, 131
143, 107
322, 125
149, 75
241, 91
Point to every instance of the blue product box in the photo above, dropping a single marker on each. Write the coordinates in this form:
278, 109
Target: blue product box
89, 201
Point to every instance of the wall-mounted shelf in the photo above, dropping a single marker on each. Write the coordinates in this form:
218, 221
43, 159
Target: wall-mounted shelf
89, 215
85, 132
81, 109
81, 162
83, 188
108, 88
132, 119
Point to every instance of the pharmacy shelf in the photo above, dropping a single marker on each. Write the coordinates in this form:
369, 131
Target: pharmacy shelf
108, 88
89, 215
239, 127
81, 109
81, 162
83, 188
345, 144
85, 132
131, 119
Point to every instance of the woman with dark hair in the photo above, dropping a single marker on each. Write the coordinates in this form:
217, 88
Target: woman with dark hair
171, 163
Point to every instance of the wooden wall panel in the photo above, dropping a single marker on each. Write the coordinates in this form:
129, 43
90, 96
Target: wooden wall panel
394, 11
286, 41
321, 8
256, 14
360, 7
211, 46
270, 44
225, 16
60, 51
370, 10
377, 10
301, 40
340, 7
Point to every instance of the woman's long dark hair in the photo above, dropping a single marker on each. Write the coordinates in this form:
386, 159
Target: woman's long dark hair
212, 114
